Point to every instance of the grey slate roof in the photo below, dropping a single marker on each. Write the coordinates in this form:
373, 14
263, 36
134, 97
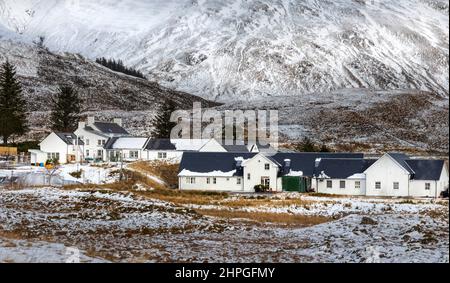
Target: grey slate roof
401, 159
110, 128
427, 170
69, 138
235, 148
204, 162
339, 168
160, 144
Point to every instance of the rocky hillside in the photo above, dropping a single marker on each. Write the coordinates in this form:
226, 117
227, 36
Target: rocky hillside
245, 50
106, 94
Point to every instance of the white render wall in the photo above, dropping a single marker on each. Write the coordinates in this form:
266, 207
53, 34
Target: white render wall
350, 190
225, 184
387, 171
93, 146
54, 144
172, 156
417, 187
256, 168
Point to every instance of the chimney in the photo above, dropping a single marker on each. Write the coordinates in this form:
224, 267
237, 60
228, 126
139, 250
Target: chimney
118, 121
90, 120
317, 162
287, 166
81, 125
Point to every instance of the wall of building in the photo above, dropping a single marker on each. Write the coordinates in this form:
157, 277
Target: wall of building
350, 188
172, 156
387, 171
53, 144
91, 147
256, 168
228, 184
212, 146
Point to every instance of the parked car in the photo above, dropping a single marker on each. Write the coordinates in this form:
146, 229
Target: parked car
444, 194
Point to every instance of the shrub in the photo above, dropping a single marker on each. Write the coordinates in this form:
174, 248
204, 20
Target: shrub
76, 174
261, 188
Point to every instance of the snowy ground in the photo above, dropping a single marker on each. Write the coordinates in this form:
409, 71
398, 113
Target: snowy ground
38, 176
39, 225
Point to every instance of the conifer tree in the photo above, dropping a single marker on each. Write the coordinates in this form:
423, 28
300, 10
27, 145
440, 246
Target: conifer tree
12, 104
161, 122
66, 107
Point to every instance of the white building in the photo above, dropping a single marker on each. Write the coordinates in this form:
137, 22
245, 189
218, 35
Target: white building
96, 134
241, 172
393, 175
125, 148
58, 146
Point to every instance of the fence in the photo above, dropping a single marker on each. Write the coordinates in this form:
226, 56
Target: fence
8, 151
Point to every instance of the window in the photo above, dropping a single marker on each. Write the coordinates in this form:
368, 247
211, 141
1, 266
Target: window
396, 186
53, 155
99, 153
329, 184
228, 179
162, 155
378, 185
192, 180
208, 180
357, 184
267, 166
248, 176
238, 181
87, 153
342, 184
134, 154
87, 142
99, 142
214, 180
103, 142
427, 186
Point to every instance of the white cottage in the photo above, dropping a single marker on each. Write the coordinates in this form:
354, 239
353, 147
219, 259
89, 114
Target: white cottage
395, 174
61, 146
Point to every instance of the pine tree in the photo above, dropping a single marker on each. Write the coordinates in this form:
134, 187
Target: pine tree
161, 122
324, 148
66, 106
12, 104
306, 146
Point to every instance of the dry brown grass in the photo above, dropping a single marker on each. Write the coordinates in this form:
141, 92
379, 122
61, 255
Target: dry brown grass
265, 217
168, 172
185, 197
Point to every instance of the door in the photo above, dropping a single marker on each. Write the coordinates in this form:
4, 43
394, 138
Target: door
265, 181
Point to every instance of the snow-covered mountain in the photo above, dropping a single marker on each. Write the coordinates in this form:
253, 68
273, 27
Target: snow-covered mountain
244, 50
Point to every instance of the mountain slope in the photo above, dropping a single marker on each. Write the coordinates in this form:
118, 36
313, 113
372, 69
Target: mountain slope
239, 49
106, 94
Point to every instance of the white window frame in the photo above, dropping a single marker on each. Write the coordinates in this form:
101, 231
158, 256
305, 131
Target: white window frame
340, 184
249, 176
267, 166
214, 180
358, 185
208, 180
192, 180
134, 154
162, 155
377, 185
238, 181
329, 184
396, 186
427, 186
